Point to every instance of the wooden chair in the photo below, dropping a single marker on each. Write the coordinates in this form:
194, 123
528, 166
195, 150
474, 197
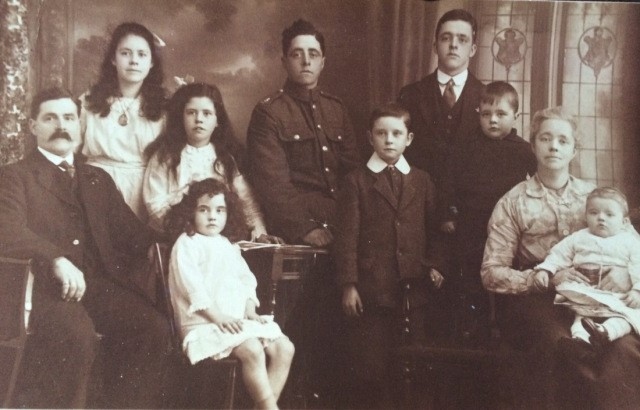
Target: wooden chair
436, 365
161, 260
16, 283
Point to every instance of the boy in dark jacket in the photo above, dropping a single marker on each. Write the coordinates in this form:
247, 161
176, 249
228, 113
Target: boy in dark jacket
385, 216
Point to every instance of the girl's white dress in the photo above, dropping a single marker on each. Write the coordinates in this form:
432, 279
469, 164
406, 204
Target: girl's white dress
161, 189
209, 272
119, 149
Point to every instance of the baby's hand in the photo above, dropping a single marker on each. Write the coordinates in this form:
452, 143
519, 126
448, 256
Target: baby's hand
632, 299
256, 317
448, 227
228, 324
541, 280
436, 278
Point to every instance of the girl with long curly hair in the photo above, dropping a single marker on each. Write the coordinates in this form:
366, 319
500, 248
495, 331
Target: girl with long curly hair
123, 112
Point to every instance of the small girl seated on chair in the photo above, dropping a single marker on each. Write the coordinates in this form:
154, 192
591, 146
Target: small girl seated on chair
213, 292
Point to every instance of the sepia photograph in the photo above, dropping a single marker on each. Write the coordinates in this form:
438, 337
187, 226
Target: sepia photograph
319, 204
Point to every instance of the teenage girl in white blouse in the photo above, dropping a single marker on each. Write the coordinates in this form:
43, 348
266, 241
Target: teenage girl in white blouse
122, 112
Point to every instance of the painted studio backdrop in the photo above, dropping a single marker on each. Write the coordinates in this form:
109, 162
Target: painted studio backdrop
583, 55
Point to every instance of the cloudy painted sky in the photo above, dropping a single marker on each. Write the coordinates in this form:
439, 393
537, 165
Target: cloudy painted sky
232, 43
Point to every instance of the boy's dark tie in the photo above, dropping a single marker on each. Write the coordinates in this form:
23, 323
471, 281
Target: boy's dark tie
449, 96
70, 169
396, 180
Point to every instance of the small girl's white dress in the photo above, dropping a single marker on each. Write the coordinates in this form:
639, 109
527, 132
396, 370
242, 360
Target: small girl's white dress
210, 272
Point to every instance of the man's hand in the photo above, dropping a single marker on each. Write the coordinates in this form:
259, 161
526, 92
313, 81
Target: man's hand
632, 299
319, 237
569, 275
351, 302
71, 278
436, 278
616, 280
448, 227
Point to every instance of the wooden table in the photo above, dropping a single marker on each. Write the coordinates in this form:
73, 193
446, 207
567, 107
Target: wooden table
281, 271
287, 263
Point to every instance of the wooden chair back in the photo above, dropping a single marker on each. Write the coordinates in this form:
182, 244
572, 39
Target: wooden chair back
15, 290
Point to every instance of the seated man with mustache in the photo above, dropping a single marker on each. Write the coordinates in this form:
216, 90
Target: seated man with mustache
85, 242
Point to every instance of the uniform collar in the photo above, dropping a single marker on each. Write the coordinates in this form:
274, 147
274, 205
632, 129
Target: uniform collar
301, 93
377, 164
458, 79
55, 159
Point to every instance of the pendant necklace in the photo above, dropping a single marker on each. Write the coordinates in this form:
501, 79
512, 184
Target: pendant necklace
123, 119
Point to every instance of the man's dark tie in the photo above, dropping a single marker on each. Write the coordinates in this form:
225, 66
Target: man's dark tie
70, 169
396, 180
449, 96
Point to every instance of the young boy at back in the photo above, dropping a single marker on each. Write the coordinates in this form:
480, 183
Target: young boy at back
479, 173
386, 216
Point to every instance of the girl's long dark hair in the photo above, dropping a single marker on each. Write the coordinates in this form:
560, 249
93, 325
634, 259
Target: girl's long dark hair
180, 217
152, 93
170, 143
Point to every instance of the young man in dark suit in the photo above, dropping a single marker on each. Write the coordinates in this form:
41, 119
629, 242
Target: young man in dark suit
443, 113
443, 104
85, 242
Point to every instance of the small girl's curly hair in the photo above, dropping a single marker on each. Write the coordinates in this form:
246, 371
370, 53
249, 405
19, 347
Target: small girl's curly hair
181, 217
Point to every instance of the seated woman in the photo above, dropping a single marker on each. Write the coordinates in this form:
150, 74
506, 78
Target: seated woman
525, 224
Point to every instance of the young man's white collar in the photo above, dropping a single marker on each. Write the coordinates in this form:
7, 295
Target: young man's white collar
377, 164
459, 80
55, 158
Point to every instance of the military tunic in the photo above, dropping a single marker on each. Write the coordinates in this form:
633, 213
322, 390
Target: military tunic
300, 144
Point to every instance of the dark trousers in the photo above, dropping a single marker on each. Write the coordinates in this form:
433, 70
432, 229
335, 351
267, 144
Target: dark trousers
372, 378
64, 345
553, 374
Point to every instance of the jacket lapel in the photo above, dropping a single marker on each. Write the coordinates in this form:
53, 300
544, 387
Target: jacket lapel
52, 179
383, 186
431, 90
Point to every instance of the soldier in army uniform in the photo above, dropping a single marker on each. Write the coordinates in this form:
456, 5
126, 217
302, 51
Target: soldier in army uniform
300, 144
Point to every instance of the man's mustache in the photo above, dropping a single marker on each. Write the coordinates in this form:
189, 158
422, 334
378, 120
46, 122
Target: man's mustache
60, 134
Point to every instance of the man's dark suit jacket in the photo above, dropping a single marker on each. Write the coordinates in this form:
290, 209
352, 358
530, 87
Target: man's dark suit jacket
381, 240
42, 218
437, 130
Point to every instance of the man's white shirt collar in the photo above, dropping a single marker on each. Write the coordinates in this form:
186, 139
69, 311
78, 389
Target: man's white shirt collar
458, 80
55, 158
377, 164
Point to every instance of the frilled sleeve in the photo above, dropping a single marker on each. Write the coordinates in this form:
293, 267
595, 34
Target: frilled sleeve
247, 278
500, 250
250, 206
160, 191
186, 279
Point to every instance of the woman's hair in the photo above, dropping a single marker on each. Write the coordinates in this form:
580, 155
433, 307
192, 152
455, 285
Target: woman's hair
181, 217
608, 192
153, 94
554, 113
170, 143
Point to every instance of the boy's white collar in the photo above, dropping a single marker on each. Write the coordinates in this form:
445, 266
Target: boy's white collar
377, 164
